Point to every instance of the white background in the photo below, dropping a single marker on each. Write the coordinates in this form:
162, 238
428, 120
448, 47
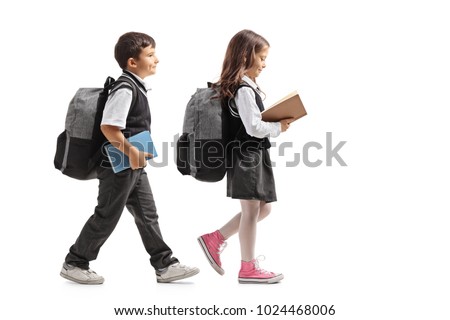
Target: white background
370, 238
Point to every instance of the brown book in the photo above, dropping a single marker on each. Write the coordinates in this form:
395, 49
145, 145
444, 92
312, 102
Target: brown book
290, 106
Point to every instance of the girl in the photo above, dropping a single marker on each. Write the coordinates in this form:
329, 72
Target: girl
249, 175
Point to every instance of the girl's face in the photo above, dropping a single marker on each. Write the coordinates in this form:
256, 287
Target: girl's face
259, 64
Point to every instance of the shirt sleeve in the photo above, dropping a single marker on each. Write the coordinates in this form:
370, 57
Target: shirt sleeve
251, 116
117, 107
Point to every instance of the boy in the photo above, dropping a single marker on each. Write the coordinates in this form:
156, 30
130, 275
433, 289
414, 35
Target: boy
125, 115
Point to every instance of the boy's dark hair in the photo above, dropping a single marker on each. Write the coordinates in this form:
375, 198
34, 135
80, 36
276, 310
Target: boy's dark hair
130, 45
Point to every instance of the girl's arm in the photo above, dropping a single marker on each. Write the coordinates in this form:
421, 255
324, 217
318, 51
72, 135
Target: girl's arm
251, 116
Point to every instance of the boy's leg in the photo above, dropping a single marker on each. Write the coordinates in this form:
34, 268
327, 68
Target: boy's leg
142, 206
113, 193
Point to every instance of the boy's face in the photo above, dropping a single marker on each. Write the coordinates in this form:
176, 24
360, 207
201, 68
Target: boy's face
146, 64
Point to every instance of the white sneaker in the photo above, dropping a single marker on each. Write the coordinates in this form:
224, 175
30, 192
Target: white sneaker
175, 272
79, 275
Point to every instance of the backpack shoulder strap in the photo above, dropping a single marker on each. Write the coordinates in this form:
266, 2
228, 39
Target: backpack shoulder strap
242, 84
232, 105
122, 81
235, 113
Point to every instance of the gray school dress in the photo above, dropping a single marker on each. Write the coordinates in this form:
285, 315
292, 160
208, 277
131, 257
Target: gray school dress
249, 172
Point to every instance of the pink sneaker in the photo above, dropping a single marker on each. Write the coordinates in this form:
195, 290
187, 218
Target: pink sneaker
213, 244
251, 273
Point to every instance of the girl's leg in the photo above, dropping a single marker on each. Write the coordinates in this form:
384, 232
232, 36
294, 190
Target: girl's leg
250, 271
247, 228
232, 226
213, 243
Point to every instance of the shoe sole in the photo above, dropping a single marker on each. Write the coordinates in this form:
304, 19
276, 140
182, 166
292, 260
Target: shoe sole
213, 264
183, 276
275, 279
65, 276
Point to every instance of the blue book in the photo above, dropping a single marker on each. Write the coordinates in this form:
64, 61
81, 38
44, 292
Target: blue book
119, 161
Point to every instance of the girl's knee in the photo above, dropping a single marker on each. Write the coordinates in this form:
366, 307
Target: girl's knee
264, 210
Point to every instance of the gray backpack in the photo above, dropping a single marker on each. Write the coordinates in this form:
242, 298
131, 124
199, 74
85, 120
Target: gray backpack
202, 147
78, 147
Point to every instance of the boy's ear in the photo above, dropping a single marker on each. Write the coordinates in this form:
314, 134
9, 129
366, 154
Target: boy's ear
131, 63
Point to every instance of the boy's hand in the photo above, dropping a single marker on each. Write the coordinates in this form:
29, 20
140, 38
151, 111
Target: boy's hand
138, 159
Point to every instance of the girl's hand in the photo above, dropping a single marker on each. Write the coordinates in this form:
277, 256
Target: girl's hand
285, 123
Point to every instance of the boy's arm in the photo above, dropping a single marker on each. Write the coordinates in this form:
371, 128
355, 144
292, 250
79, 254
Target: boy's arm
117, 139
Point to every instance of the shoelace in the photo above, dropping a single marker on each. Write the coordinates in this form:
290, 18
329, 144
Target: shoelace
222, 247
181, 266
89, 272
175, 265
257, 267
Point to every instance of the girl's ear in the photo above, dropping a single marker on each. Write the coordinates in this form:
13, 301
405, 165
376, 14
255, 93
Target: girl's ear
244, 62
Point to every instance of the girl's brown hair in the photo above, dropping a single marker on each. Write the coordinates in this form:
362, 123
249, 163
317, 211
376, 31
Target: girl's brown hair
240, 56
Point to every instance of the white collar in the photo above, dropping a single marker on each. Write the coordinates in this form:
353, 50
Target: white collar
250, 82
142, 81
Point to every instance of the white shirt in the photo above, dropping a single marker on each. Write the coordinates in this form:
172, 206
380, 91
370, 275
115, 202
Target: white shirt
250, 114
118, 105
